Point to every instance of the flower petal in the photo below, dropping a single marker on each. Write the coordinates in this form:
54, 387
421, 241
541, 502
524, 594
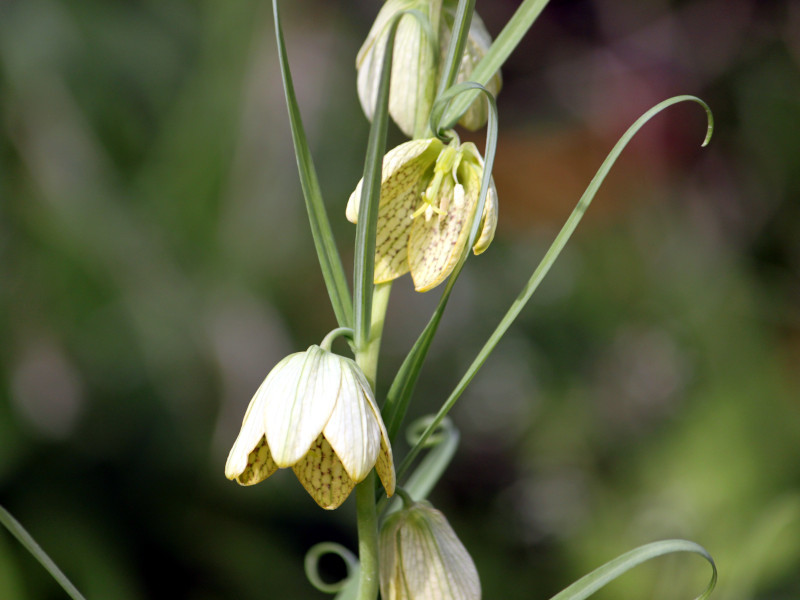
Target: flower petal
323, 475
413, 70
435, 244
259, 465
352, 430
251, 433
385, 463
300, 401
406, 169
413, 82
478, 43
488, 222
434, 562
455, 562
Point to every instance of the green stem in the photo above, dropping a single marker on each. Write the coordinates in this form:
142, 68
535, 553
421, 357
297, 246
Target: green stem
367, 517
367, 354
366, 513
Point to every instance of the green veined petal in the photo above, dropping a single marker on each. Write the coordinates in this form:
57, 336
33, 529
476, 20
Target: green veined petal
323, 476
352, 430
301, 398
435, 244
260, 465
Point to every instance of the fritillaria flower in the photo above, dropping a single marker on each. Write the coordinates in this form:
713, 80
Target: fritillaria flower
422, 559
429, 195
314, 412
416, 63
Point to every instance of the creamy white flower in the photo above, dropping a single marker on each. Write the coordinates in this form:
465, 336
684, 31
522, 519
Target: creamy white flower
413, 81
429, 195
422, 559
416, 64
314, 412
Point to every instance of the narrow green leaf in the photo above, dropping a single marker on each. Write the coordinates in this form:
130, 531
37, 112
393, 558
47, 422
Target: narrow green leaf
503, 46
399, 395
549, 258
366, 228
442, 447
346, 587
458, 41
589, 584
329, 259
364, 259
24, 538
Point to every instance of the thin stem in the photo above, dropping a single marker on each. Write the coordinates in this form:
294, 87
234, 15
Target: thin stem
367, 354
327, 342
367, 538
366, 513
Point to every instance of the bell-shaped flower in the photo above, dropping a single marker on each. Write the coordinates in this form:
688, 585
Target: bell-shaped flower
417, 63
422, 559
314, 412
428, 198
413, 82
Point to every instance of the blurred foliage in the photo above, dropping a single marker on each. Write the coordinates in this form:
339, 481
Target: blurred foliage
155, 263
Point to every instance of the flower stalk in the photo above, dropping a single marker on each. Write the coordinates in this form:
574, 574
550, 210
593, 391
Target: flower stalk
366, 509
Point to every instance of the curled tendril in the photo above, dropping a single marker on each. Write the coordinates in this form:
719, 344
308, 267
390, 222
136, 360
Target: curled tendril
442, 103
443, 431
312, 563
442, 445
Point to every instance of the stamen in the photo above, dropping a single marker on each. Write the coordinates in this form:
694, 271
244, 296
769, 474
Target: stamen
445, 162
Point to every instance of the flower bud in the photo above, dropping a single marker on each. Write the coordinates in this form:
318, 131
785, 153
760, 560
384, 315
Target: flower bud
314, 412
413, 82
429, 195
417, 61
422, 559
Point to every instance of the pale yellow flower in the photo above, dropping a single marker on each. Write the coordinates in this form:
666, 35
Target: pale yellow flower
429, 195
314, 412
416, 64
413, 82
422, 559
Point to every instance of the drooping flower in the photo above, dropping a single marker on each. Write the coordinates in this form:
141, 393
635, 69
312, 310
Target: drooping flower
429, 195
413, 82
417, 61
422, 559
314, 412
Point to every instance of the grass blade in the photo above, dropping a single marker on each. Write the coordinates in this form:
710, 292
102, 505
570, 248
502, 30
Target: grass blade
503, 46
329, 259
24, 538
402, 387
589, 584
547, 262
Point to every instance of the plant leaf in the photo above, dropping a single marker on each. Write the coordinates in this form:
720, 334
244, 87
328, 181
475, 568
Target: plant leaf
329, 260
503, 46
24, 538
547, 262
458, 41
589, 584
366, 228
399, 395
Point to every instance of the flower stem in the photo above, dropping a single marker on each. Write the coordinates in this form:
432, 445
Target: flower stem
367, 355
366, 514
367, 538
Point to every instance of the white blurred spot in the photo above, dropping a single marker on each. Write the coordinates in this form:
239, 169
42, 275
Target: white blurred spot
47, 390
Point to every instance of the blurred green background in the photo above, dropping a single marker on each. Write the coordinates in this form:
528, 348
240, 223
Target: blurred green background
155, 263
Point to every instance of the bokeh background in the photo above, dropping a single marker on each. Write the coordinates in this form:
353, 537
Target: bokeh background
155, 262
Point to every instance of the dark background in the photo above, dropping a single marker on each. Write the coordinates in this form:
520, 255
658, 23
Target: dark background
156, 262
